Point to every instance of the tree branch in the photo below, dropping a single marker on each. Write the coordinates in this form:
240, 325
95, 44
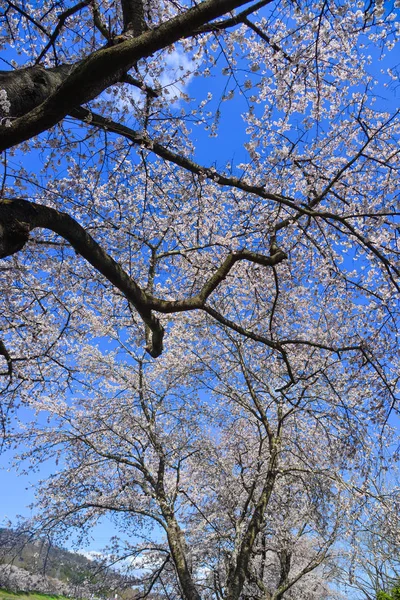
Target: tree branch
232, 21
27, 88
238, 571
18, 217
105, 67
61, 20
141, 139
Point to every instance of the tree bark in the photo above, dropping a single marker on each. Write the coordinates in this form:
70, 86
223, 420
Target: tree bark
133, 15
19, 217
27, 88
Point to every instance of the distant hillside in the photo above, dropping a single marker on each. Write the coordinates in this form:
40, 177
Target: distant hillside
33, 564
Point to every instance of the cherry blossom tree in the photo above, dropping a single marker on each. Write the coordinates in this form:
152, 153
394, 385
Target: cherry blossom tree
318, 149
373, 567
219, 495
213, 185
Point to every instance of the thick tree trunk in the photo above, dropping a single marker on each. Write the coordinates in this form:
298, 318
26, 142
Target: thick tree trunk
176, 540
285, 559
133, 15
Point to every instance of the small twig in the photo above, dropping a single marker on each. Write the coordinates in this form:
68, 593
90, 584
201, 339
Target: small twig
61, 20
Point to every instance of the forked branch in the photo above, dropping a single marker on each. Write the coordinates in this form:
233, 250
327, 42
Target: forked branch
19, 217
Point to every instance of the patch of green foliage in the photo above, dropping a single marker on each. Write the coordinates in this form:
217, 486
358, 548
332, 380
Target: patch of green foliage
394, 594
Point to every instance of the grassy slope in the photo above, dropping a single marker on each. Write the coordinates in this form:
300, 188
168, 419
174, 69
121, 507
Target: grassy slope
4, 595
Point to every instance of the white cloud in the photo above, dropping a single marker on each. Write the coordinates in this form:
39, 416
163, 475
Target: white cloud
91, 554
178, 72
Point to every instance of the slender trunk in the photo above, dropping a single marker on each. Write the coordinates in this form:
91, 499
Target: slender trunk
175, 536
285, 558
239, 570
177, 548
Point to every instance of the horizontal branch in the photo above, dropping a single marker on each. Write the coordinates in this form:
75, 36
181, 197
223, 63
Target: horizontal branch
19, 217
232, 21
198, 300
141, 139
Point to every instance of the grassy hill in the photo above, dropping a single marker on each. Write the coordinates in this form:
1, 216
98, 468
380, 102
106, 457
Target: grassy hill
33, 564
38, 556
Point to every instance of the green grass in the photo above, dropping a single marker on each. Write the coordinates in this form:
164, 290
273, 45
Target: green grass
5, 595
